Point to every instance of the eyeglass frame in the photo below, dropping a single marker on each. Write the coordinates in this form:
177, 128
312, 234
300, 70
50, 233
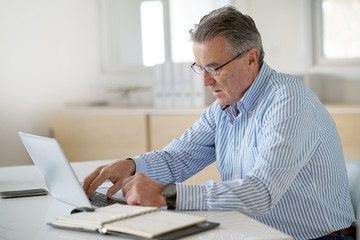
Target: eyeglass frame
213, 71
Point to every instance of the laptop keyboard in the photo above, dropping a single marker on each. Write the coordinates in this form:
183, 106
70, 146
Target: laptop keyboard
101, 200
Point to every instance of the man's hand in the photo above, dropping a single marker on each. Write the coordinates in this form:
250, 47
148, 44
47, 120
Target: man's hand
115, 172
142, 190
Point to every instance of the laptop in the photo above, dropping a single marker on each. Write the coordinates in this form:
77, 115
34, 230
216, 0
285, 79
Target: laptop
58, 174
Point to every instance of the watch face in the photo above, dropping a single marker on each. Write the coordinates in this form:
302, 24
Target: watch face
169, 190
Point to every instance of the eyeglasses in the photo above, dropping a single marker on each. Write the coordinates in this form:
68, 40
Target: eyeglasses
213, 71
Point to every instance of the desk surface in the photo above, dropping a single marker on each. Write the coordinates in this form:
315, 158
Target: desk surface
26, 218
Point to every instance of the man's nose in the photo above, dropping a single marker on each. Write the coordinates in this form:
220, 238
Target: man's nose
208, 79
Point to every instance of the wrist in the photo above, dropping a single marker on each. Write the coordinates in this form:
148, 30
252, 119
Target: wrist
131, 165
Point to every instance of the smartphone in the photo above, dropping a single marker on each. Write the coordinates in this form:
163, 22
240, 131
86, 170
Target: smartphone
23, 193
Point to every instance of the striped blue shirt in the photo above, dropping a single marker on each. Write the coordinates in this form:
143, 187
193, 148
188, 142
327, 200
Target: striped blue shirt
278, 153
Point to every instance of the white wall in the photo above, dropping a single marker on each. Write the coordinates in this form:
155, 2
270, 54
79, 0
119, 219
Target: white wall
49, 57
285, 29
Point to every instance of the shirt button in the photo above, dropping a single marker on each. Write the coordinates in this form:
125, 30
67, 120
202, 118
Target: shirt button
238, 148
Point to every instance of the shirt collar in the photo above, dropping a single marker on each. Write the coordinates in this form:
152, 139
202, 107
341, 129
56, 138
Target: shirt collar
231, 111
251, 96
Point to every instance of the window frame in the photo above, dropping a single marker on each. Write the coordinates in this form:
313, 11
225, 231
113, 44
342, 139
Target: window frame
111, 60
318, 55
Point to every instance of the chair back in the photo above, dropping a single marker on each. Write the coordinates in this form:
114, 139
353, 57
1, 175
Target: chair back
353, 170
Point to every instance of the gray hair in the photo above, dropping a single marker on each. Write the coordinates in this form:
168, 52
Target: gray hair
238, 29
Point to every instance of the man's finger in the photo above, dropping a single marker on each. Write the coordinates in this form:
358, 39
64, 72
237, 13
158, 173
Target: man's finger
90, 178
100, 179
114, 189
126, 186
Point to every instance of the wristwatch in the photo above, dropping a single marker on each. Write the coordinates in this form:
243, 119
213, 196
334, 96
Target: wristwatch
169, 192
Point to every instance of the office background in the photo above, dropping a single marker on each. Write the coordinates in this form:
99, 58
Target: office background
53, 54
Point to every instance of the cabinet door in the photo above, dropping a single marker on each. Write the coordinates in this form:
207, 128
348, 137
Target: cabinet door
348, 125
100, 136
164, 128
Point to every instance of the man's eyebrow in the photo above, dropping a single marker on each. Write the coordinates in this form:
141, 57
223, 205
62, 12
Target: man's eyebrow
212, 64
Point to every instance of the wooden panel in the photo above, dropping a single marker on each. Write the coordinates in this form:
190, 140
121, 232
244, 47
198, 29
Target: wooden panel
209, 173
99, 136
164, 128
108, 136
348, 125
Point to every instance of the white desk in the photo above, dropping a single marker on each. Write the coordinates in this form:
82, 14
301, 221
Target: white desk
26, 218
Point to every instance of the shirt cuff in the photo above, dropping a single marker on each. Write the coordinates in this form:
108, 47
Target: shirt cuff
140, 165
190, 197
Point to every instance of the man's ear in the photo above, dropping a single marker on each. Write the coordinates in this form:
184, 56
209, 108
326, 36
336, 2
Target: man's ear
253, 56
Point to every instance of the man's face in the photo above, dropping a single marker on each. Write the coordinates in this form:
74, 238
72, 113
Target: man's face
231, 81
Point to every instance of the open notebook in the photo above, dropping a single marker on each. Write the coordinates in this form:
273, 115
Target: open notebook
135, 222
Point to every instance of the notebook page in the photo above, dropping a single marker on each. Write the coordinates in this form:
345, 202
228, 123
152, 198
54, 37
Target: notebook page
102, 215
154, 224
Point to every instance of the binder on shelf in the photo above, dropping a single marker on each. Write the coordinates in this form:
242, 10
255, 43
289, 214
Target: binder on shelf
178, 77
158, 86
176, 85
168, 84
